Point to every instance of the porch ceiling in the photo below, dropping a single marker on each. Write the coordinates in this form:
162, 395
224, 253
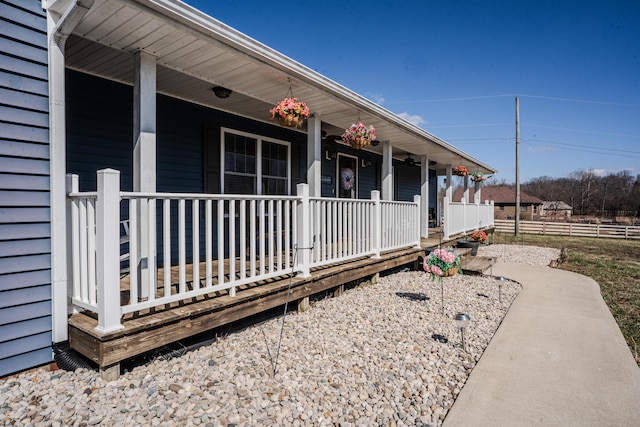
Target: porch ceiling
196, 52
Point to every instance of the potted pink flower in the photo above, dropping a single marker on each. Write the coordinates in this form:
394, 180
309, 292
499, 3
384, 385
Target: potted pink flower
358, 135
290, 112
480, 236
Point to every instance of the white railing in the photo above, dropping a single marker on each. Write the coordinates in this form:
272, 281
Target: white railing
464, 217
609, 231
182, 246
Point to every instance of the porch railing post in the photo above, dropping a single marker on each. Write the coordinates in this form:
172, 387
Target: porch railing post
376, 221
73, 247
304, 219
108, 250
416, 220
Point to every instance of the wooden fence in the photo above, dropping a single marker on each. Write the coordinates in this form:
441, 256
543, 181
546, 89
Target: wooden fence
608, 231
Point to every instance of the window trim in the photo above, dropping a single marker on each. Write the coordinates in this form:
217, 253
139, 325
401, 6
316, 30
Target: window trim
259, 140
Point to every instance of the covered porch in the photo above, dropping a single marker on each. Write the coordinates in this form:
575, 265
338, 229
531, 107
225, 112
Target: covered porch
170, 153
214, 259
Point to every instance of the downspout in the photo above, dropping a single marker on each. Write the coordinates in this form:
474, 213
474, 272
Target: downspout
62, 18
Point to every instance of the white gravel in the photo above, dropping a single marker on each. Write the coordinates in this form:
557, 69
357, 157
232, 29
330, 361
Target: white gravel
366, 358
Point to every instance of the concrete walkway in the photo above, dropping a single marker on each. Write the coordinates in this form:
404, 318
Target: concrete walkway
558, 359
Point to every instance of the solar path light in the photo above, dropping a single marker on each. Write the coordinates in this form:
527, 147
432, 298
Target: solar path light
491, 262
462, 320
500, 280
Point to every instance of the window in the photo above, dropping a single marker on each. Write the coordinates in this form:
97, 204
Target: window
249, 160
275, 168
501, 208
523, 208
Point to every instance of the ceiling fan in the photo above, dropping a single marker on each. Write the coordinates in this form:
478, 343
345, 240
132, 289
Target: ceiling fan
410, 161
330, 139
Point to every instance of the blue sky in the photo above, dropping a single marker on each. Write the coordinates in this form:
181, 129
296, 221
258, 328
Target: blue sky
455, 68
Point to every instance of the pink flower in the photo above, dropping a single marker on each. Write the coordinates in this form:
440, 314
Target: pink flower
436, 270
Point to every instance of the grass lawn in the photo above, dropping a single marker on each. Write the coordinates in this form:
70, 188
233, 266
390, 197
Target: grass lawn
613, 263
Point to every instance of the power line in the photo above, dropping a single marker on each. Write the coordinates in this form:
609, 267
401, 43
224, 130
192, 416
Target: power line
604, 151
584, 101
511, 95
583, 146
583, 131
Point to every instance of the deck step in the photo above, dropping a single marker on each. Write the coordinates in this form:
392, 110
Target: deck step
475, 265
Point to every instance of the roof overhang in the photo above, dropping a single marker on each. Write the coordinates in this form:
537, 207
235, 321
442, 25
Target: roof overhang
195, 52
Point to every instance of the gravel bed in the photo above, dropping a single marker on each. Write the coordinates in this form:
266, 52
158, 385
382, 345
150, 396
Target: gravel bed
380, 354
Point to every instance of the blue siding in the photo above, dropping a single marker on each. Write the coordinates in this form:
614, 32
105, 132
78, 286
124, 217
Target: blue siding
100, 135
25, 230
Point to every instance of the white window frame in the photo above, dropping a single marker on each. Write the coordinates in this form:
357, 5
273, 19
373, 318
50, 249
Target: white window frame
259, 140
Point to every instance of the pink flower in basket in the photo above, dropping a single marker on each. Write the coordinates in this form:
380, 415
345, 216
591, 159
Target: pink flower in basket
439, 261
358, 131
289, 106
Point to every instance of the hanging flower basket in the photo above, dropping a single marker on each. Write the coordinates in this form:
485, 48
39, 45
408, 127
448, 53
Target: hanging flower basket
359, 135
290, 112
478, 177
460, 171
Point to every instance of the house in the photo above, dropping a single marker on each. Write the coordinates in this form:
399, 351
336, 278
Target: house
151, 117
504, 200
556, 210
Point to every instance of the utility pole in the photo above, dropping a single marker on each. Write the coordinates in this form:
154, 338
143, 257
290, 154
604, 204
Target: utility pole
517, 223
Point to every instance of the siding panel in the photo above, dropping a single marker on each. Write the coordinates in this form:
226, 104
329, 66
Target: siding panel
27, 360
24, 280
25, 259
24, 312
25, 328
25, 247
23, 345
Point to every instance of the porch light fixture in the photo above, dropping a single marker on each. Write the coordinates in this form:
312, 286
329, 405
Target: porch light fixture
222, 92
375, 143
462, 320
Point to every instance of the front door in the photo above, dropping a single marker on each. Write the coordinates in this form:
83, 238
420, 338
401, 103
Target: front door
347, 176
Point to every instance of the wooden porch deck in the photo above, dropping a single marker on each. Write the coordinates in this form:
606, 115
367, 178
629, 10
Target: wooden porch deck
154, 328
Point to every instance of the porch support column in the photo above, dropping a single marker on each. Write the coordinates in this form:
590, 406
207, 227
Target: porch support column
144, 160
62, 18
477, 195
449, 191
387, 171
445, 205
314, 154
424, 197
465, 196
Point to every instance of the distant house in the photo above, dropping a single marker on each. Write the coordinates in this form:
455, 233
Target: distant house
504, 199
556, 210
